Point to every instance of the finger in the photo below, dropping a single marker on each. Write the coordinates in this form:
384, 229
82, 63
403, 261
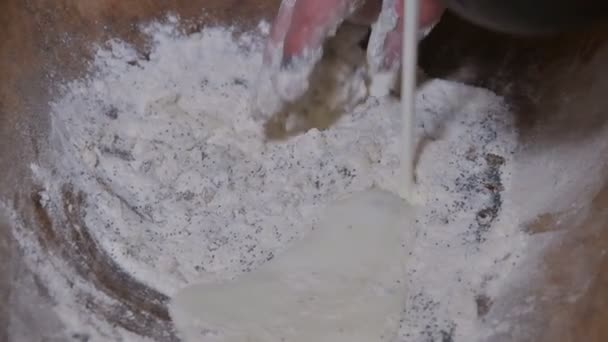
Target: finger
392, 41
367, 14
312, 22
430, 13
278, 30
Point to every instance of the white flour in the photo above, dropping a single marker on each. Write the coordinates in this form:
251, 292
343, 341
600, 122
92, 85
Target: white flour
182, 186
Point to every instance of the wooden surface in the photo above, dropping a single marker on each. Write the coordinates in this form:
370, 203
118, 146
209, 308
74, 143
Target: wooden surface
42, 42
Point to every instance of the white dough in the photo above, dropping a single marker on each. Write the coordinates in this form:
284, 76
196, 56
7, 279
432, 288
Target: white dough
342, 282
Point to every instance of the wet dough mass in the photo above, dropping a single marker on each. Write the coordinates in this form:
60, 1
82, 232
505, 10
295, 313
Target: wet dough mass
342, 282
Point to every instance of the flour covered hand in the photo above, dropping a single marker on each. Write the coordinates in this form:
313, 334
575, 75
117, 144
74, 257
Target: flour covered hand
304, 25
313, 63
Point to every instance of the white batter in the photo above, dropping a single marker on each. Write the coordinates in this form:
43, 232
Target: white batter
344, 282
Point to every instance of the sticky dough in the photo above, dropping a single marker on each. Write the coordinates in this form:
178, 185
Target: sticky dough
342, 282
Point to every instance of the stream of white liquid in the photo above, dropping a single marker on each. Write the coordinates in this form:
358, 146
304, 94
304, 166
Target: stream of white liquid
408, 88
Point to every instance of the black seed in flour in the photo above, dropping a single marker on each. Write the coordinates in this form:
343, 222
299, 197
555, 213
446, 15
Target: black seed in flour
484, 304
118, 153
492, 185
240, 82
112, 113
422, 318
81, 337
448, 335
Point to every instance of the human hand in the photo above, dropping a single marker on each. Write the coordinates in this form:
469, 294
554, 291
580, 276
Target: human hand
305, 24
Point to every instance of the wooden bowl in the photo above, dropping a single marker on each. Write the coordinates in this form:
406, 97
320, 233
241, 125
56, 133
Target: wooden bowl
557, 87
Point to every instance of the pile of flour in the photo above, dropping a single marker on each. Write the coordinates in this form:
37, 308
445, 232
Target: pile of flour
181, 184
